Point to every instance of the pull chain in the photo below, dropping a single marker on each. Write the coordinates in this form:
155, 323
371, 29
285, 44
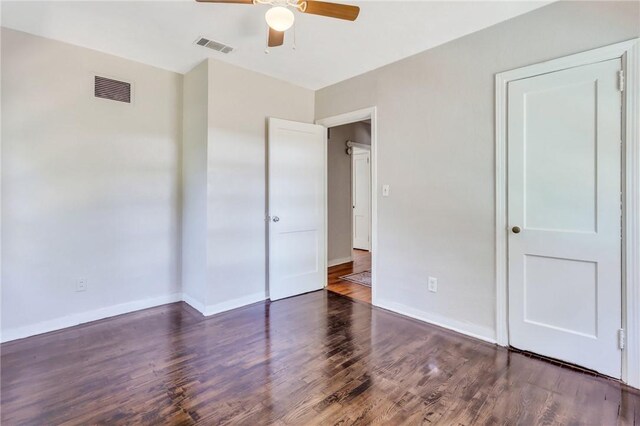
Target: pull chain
294, 35
266, 49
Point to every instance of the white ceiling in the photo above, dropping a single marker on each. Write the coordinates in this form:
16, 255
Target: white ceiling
161, 33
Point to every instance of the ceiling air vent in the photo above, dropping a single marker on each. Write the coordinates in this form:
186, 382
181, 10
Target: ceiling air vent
218, 47
114, 90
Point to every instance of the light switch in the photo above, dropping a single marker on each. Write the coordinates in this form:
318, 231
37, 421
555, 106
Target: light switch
385, 190
433, 284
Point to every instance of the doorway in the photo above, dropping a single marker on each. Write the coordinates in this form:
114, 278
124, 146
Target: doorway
351, 204
565, 153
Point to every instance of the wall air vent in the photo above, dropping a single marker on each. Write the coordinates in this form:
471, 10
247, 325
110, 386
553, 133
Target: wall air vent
214, 45
114, 90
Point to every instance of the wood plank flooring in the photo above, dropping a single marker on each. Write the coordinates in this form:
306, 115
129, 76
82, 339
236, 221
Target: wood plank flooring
319, 358
361, 262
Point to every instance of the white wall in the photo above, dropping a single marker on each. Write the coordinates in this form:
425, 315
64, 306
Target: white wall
240, 101
339, 202
100, 190
89, 187
436, 150
195, 139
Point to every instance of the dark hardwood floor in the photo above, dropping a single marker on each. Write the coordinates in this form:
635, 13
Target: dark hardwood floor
361, 262
319, 358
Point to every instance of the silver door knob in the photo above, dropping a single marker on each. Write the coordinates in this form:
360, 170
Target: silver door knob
516, 229
276, 219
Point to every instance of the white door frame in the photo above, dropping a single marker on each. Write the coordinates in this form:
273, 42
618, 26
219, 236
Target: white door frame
348, 118
629, 52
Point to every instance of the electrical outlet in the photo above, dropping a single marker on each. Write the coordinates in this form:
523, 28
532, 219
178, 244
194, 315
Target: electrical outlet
385, 190
81, 284
433, 284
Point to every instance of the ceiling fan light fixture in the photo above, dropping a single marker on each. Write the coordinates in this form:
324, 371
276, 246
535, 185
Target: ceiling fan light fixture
279, 18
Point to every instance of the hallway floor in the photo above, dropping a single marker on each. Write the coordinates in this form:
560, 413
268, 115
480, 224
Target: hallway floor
361, 262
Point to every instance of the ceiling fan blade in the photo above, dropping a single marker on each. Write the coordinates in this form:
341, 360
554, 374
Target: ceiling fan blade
226, 1
331, 10
276, 38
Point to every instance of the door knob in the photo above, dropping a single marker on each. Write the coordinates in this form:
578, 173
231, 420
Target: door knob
516, 229
276, 219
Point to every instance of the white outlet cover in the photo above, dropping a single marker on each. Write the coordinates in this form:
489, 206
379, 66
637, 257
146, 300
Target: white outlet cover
385, 190
81, 284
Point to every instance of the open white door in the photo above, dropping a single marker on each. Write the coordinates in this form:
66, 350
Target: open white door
564, 209
361, 198
297, 196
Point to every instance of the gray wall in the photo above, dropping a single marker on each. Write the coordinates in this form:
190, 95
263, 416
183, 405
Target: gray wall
339, 187
90, 187
240, 101
224, 174
439, 106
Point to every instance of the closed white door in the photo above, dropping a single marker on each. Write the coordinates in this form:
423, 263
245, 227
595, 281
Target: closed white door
564, 210
361, 198
297, 188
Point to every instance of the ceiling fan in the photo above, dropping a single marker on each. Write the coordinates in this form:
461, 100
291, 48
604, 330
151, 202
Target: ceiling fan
280, 17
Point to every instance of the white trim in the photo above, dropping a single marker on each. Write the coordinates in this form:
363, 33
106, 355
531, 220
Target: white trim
370, 113
85, 317
198, 306
630, 54
466, 328
357, 150
125, 308
340, 261
234, 303
325, 178
502, 300
358, 145
348, 118
631, 355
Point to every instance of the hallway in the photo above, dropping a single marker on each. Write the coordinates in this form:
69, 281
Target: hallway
361, 262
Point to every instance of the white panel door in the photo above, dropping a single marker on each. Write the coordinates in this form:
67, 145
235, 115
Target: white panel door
361, 199
564, 209
297, 188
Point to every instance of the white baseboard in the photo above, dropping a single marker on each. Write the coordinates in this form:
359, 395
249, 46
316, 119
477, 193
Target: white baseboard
234, 303
124, 308
340, 261
84, 317
473, 330
208, 310
198, 306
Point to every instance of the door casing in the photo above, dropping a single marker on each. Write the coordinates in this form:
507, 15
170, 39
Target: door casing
629, 53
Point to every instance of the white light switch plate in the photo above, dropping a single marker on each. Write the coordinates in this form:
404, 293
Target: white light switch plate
385, 190
433, 284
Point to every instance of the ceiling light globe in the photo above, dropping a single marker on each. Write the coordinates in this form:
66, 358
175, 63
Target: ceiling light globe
279, 18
